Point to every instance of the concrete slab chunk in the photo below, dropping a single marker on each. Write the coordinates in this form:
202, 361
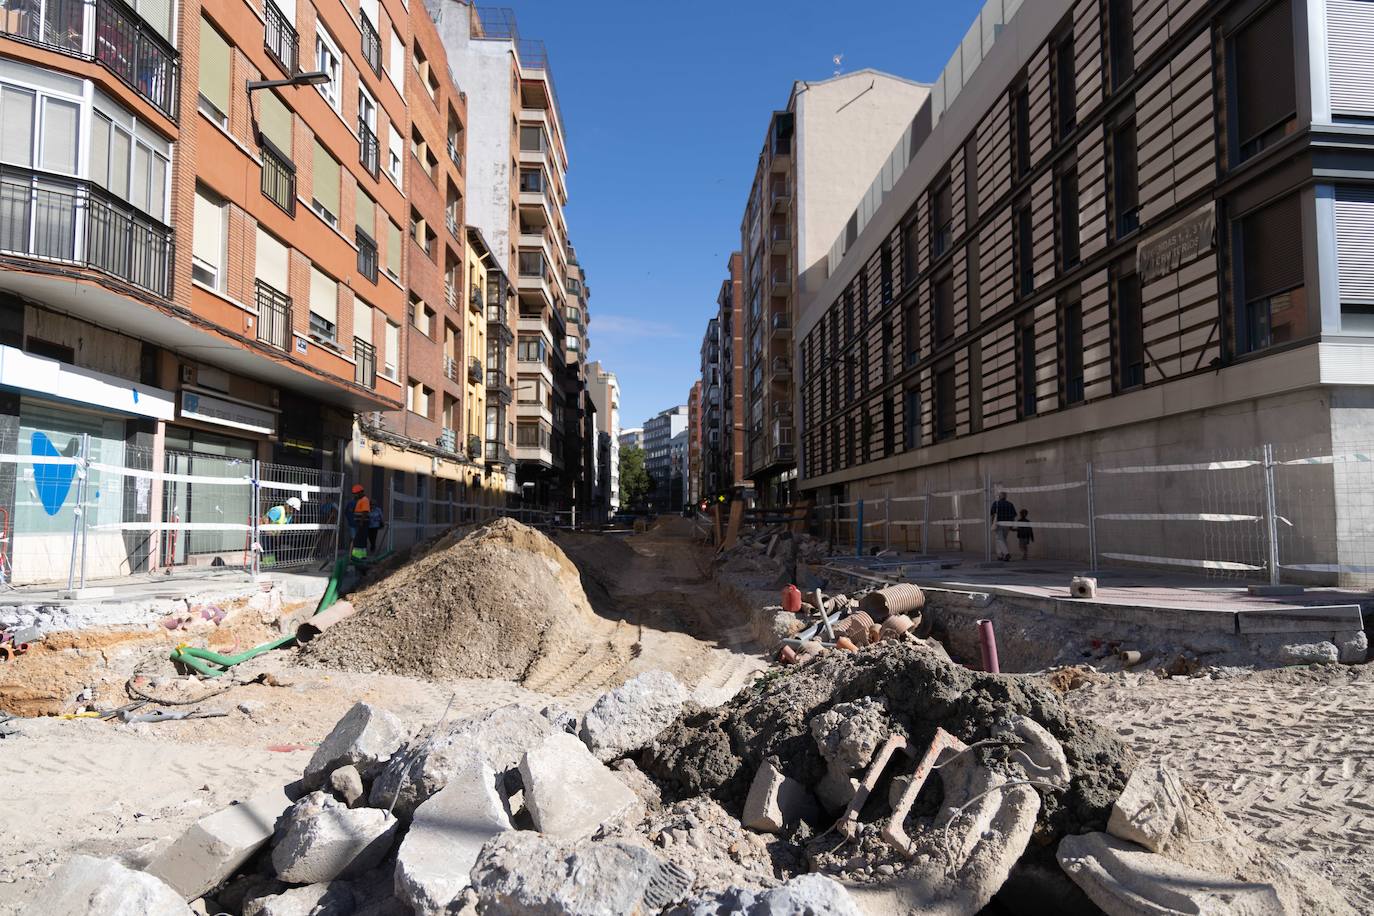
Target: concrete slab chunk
217, 845
1339, 618
325, 839
776, 801
627, 718
332, 899
85, 885
569, 793
1126, 880
445, 838
365, 738
1148, 809
804, 895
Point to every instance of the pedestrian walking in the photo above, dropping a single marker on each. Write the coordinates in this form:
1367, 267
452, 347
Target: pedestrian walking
1024, 534
361, 516
1002, 511
375, 524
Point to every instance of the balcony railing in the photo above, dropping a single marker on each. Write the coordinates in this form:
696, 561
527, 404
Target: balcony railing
451, 296
76, 222
372, 44
274, 316
364, 363
781, 368
448, 440
476, 301
497, 386
782, 279
475, 371
450, 368
280, 39
474, 446
120, 40
369, 151
454, 153
781, 321
496, 313
496, 452
367, 254
278, 178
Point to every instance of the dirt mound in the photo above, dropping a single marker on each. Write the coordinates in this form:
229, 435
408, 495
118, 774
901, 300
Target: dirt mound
492, 601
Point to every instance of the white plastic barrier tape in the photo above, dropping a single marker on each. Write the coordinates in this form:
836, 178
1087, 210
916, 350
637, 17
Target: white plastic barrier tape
908, 499
178, 526
1176, 468
1332, 459
37, 459
978, 492
1177, 517
1179, 561
957, 521
1327, 568
1032, 524
302, 488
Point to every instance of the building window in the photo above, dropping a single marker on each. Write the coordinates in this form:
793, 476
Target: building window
369, 150
391, 350
324, 306
396, 60
1273, 301
1068, 219
127, 159
943, 307
889, 425
1121, 40
941, 218
213, 100
1025, 363
911, 419
1125, 180
972, 295
209, 239
424, 236
946, 410
1025, 251
531, 349
1263, 80
1021, 130
371, 41
418, 399
329, 60
393, 251
911, 264
325, 185
885, 268
1130, 333
912, 329
395, 151
1071, 331
421, 317
970, 182
1065, 86
274, 133
975, 385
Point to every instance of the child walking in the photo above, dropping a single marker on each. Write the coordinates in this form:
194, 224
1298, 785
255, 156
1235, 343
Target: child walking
1024, 534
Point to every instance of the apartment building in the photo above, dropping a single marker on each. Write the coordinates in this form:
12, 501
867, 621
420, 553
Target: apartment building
691, 485
1124, 233
632, 438
817, 157
707, 467
658, 434
604, 390
579, 425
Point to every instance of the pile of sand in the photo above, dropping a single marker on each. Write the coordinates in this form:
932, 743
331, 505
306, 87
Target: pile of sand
488, 602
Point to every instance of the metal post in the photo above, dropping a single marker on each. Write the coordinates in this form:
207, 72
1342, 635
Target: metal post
987, 504
1092, 520
925, 523
83, 470
255, 546
1271, 514
859, 530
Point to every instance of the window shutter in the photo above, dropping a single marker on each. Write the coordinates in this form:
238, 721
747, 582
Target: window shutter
324, 296
100, 147
396, 61
366, 213
1349, 23
214, 67
391, 349
393, 249
59, 136
16, 113
207, 240
274, 120
326, 179
273, 259
1272, 241
158, 14
369, 9
1355, 244
1266, 91
362, 321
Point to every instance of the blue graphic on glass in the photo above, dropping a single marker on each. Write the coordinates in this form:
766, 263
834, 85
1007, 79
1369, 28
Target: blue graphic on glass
53, 481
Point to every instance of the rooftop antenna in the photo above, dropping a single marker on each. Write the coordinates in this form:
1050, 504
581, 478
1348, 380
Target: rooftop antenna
837, 60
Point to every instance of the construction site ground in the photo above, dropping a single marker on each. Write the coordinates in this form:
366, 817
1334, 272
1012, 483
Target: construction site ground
1287, 753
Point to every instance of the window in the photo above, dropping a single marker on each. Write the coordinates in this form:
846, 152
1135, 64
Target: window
324, 306
391, 350
371, 41
1130, 333
1025, 362
1068, 219
531, 181
419, 147
1065, 86
911, 419
885, 268
368, 148
214, 74
421, 316
393, 250
943, 307
1273, 300
1125, 181
531, 349
1120, 40
970, 182
1025, 251
422, 68
1071, 331
941, 217
367, 250
325, 199
912, 331
418, 399
1267, 108
273, 303
329, 60
946, 410
1021, 130
911, 240
396, 61
279, 33
208, 239
972, 296
274, 133
126, 158
1354, 214
889, 425
975, 395
395, 151
423, 235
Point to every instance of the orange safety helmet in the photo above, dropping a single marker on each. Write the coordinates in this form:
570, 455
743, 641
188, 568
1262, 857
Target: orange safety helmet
357, 488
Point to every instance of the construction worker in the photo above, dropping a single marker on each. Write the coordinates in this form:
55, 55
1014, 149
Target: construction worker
283, 514
359, 520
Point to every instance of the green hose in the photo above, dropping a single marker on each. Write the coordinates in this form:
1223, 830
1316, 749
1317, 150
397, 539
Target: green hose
189, 656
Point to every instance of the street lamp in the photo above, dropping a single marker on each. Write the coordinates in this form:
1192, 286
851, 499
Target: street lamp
314, 78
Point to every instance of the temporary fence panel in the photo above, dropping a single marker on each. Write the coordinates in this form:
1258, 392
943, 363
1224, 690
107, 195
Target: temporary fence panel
1324, 514
208, 512
291, 538
1059, 516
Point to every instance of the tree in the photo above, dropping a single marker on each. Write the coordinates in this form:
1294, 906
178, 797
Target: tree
634, 480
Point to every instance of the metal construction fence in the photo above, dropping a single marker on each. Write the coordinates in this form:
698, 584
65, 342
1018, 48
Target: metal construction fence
415, 518
1276, 514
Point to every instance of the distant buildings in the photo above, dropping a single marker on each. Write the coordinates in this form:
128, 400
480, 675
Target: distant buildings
658, 454
604, 389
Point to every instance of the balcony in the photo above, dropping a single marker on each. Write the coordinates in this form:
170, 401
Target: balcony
372, 44
448, 440
450, 368
779, 237
497, 386
454, 153
451, 296
779, 197
70, 221
367, 254
495, 453
280, 39
369, 151
278, 178
364, 363
782, 324
781, 280
780, 370
274, 316
474, 446
475, 371
476, 301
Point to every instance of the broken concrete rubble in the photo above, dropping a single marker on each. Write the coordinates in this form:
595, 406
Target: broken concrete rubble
446, 836
324, 839
334, 898
776, 801
1149, 808
804, 895
627, 718
569, 793
848, 734
522, 872
365, 738
1125, 880
347, 784
86, 885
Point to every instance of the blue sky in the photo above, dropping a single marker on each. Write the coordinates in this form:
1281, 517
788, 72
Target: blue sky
665, 106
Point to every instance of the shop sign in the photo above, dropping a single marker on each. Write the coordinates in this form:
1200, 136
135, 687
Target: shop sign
222, 412
1181, 242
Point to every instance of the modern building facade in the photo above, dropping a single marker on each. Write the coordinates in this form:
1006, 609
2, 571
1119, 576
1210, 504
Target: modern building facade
692, 473
817, 157
711, 452
1130, 234
604, 390
632, 437
658, 435
679, 470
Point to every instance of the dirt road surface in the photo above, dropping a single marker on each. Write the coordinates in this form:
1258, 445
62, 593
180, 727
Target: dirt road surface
107, 789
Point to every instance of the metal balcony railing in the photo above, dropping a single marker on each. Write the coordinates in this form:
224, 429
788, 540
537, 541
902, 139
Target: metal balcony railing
372, 44
274, 315
476, 300
369, 151
496, 313
278, 178
475, 371
448, 440
451, 296
474, 446
455, 153
364, 363
498, 386
781, 321
496, 452
280, 39
781, 368
450, 368
367, 254
53, 218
